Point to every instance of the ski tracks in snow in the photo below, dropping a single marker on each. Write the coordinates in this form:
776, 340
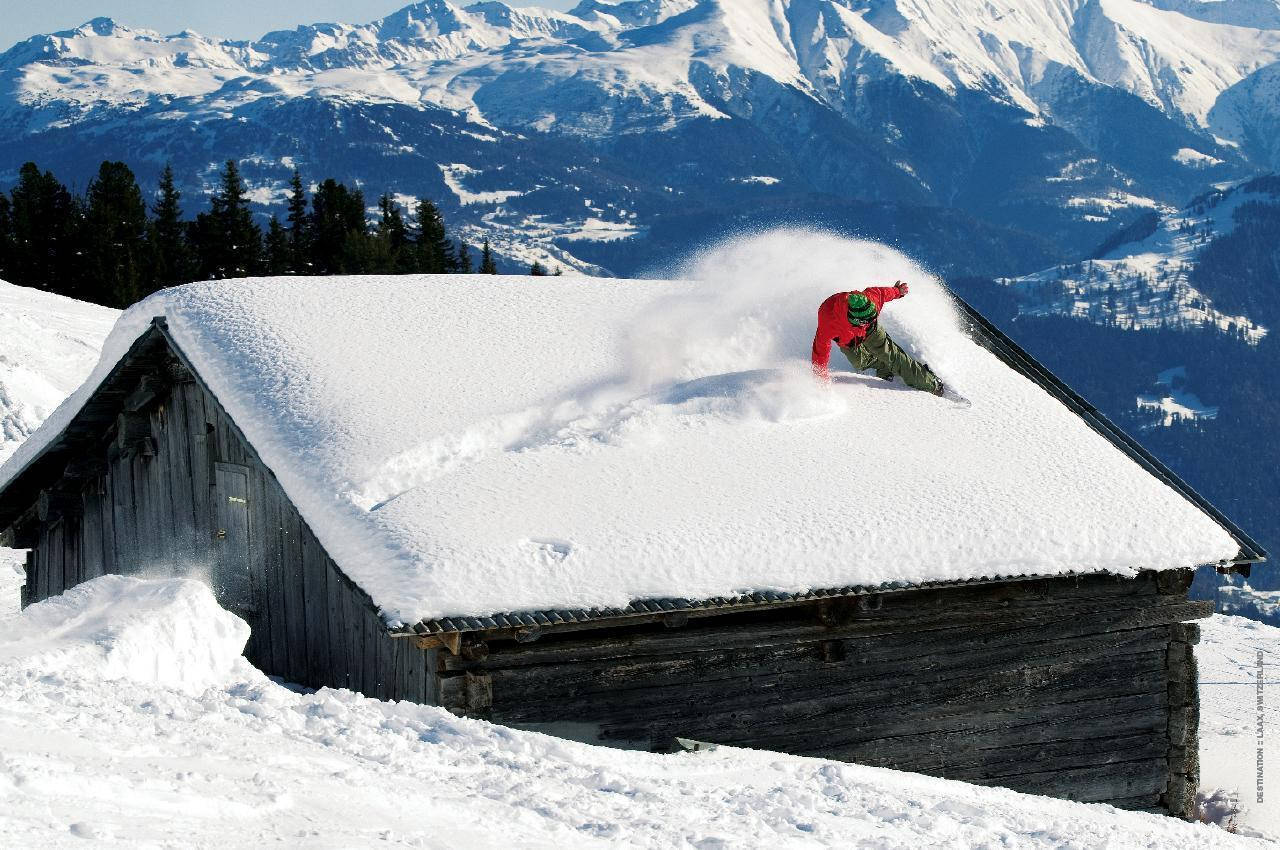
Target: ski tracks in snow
607, 416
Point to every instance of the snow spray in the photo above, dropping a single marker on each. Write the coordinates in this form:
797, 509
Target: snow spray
754, 299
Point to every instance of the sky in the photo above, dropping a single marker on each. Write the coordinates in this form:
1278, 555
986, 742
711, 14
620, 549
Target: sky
239, 19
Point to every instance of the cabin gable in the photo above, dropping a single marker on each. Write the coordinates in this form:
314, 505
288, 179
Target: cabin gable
170, 486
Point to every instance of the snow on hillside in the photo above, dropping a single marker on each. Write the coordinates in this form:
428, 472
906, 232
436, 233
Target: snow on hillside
48, 345
1173, 401
1146, 283
124, 749
470, 446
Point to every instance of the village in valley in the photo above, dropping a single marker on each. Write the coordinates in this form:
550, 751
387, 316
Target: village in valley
416, 433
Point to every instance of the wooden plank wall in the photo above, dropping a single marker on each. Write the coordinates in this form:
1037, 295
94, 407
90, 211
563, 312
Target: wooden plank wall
1077, 688
152, 511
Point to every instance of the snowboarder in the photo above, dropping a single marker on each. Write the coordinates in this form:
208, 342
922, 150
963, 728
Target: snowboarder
849, 320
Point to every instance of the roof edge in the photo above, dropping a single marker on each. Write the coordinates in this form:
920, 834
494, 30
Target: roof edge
647, 609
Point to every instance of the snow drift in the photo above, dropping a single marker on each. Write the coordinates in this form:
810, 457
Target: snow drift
168, 632
152, 761
472, 445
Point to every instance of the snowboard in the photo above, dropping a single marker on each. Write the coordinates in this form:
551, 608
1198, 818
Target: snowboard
955, 398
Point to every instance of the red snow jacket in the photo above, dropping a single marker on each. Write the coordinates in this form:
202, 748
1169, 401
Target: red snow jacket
833, 324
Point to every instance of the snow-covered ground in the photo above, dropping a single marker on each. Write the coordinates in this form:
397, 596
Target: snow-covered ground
128, 718
48, 345
1233, 711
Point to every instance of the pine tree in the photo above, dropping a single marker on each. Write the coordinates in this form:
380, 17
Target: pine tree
394, 252
299, 227
279, 251
337, 218
435, 251
116, 236
487, 265
46, 222
6, 238
171, 258
464, 258
228, 240
538, 269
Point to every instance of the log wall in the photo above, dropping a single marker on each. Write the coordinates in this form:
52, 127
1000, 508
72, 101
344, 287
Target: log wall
1081, 688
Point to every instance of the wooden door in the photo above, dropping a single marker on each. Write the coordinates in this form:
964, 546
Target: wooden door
232, 579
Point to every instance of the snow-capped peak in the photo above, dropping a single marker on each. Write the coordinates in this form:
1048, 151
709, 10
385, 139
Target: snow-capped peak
633, 13
425, 20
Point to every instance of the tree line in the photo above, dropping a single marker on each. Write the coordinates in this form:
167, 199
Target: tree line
111, 246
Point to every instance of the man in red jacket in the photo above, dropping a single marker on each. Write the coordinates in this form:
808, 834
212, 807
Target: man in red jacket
849, 320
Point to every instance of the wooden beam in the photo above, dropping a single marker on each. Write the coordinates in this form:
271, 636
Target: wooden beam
149, 390
451, 641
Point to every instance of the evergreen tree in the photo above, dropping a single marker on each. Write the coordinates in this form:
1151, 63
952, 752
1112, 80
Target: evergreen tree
394, 252
299, 227
464, 258
435, 251
171, 258
46, 223
487, 265
228, 240
279, 251
538, 269
6, 238
337, 218
115, 234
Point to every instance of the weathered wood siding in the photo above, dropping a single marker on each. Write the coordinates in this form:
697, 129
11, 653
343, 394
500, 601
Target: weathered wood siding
1079, 688
173, 489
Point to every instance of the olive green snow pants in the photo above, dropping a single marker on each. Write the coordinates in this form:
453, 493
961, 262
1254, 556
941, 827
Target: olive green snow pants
884, 355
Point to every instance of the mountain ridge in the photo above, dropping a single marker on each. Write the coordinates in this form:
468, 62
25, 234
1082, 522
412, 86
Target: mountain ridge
1033, 118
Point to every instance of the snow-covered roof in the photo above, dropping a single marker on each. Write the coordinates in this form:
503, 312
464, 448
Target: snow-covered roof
473, 445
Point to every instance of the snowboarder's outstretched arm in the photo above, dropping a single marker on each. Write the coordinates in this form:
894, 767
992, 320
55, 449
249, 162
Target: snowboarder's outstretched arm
881, 294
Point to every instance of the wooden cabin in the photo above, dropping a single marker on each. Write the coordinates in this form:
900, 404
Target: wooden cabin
1078, 686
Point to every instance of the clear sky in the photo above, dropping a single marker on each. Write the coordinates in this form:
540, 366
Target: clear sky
241, 19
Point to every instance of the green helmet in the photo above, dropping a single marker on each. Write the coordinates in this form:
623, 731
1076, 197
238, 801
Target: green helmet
861, 310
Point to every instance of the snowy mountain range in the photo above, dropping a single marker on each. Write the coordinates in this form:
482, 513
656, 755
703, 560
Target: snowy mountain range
985, 137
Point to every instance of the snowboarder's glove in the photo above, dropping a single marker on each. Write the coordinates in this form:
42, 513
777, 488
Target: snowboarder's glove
901, 286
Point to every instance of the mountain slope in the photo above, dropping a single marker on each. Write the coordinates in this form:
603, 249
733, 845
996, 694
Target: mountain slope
1025, 118
48, 345
1166, 270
